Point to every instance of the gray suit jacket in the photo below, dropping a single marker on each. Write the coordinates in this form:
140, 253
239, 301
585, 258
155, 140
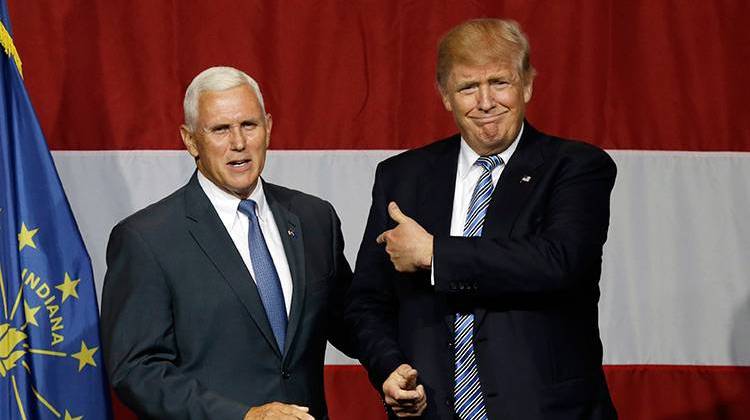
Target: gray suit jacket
184, 332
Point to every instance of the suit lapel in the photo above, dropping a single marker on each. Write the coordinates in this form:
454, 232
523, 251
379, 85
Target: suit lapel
290, 230
436, 203
212, 237
439, 182
516, 182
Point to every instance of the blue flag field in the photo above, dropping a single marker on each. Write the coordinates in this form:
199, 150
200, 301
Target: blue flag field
50, 354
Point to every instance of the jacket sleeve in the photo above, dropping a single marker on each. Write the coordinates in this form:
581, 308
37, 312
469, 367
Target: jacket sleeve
558, 251
372, 306
140, 351
339, 329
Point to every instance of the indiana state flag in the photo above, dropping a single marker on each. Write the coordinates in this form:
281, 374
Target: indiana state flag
50, 356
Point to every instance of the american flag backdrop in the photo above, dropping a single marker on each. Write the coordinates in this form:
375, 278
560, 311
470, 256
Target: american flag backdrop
662, 85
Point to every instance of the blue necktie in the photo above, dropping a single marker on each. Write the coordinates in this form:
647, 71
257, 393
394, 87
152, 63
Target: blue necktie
468, 391
266, 277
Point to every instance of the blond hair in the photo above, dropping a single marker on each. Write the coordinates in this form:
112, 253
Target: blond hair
481, 41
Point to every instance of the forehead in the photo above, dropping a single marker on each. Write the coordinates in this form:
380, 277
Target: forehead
504, 68
239, 102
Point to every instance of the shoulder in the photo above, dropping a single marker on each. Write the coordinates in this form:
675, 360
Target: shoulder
157, 216
422, 157
573, 151
297, 200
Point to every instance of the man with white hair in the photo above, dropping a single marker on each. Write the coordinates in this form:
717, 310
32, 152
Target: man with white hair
218, 300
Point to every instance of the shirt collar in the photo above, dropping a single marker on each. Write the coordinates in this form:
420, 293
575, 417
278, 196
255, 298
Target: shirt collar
467, 156
226, 204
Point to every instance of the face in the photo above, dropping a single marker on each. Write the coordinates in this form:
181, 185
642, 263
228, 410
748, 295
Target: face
488, 103
230, 139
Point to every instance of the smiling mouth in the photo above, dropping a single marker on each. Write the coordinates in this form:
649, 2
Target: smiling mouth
486, 119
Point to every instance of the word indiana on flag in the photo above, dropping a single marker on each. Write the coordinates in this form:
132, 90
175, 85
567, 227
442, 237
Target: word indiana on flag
50, 358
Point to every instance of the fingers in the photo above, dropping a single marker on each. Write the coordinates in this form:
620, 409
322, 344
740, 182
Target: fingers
403, 396
410, 376
396, 213
277, 410
400, 389
411, 408
299, 412
381, 239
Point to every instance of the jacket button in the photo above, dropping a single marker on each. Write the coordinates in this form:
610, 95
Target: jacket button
452, 286
285, 374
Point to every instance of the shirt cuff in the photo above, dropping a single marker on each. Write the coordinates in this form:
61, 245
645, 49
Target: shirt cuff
432, 270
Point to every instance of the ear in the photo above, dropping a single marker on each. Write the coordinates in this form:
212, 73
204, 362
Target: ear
269, 126
188, 139
528, 89
445, 98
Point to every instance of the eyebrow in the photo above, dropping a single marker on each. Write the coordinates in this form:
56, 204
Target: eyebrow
466, 84
221, 126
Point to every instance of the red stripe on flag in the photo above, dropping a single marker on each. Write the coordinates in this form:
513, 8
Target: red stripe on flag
640, 392
640, 74
666, 392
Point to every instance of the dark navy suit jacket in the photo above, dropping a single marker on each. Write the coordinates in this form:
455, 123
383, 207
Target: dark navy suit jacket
531, 280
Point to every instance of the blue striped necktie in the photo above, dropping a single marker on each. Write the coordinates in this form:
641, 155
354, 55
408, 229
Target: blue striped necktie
266, 277
469, 403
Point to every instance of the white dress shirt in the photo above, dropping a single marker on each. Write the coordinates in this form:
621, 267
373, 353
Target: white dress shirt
238, 225
467, 175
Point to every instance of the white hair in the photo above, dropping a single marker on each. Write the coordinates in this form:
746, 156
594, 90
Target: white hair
211, 80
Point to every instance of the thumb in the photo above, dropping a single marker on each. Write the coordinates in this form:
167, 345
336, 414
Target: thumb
409, 374
396, 213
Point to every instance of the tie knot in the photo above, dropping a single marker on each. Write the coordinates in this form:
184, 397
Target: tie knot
489, 163
247, 207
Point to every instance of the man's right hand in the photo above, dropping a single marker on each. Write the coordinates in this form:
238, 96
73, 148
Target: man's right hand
277, 410
402, 394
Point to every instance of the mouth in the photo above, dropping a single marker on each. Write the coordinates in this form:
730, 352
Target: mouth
239, 164
486, 119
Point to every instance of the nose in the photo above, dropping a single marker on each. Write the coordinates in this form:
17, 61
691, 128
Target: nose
237, 138
485, 102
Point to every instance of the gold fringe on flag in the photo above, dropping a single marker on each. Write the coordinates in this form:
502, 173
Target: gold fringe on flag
10, 49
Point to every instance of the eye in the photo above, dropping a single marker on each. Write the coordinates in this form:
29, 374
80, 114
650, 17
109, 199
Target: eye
220, 130
468, 90
248, 125
500, 83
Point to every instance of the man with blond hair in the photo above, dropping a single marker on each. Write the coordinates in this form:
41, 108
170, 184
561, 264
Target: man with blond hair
476, 286
218, 299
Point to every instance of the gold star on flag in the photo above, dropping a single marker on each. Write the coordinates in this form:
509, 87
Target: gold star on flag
85, 356
68, 287
26, 237
69, 417
30, 313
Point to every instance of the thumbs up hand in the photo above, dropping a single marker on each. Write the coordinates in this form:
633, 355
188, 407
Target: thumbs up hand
408, 244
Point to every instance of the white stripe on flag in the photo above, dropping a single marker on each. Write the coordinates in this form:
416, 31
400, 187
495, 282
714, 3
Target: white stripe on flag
673, 285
